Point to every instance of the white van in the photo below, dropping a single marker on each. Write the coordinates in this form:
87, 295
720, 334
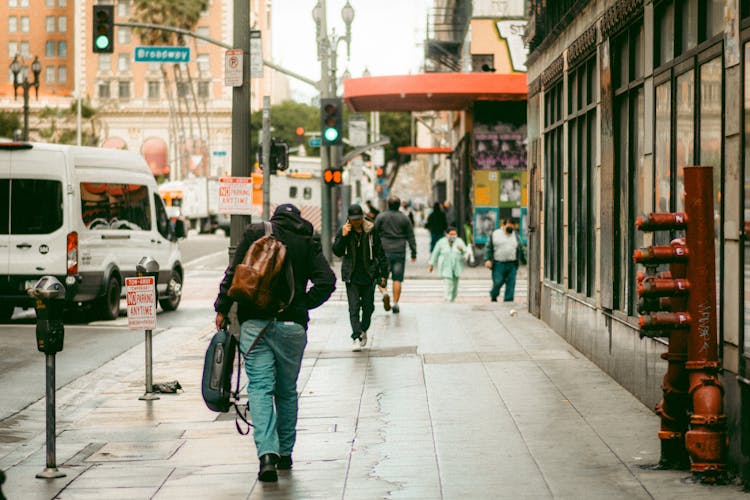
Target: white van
86, 216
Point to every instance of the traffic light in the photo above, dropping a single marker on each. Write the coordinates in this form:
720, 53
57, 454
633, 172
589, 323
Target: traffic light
330, 121
380, 172
332, 176
279, 156
103, 33
300, 133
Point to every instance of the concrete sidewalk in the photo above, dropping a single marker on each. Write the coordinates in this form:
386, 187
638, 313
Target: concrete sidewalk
450, 401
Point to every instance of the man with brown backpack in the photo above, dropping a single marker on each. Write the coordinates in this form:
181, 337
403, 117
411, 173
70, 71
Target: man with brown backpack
276, 339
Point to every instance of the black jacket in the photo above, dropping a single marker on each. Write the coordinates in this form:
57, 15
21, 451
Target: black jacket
395, 232
307, 262
345, 246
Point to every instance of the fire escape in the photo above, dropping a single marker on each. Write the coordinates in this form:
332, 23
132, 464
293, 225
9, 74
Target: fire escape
447, 26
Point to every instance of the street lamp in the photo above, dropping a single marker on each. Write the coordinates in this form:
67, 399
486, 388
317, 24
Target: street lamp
330, 156
19, 68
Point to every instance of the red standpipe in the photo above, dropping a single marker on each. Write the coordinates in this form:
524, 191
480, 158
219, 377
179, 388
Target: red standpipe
706, 441
675, 403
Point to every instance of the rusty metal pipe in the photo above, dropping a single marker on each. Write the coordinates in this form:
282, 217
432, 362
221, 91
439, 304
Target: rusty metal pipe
675, 403
706, 439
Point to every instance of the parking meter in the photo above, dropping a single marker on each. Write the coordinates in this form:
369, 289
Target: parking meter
50, 304
50, 330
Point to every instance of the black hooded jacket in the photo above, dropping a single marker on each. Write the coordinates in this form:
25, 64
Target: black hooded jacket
307, 262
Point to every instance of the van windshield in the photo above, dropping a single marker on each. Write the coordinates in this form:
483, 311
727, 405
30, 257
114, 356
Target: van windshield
35, 205
115, 206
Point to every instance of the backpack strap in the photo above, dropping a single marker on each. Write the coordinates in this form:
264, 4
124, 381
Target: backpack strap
268, 227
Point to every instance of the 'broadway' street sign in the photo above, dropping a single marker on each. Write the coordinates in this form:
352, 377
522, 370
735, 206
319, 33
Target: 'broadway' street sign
160, 53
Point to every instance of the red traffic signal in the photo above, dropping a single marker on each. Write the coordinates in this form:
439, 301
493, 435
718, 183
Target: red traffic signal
332, 177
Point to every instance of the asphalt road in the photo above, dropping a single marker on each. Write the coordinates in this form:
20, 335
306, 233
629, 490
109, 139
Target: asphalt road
89, 345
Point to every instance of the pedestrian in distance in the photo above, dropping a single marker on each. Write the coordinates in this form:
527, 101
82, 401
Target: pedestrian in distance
501, 257
372, 212
395, 232
450, 213
273, 365
363, 266
448, 255
436, 224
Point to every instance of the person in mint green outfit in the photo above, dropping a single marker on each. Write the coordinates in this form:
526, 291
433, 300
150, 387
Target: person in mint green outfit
448, 256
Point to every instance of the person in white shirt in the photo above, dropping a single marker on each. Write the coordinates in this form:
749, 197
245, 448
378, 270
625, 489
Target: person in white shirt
500, 256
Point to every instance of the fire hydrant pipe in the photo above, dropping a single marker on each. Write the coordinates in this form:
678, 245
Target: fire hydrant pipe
706, 439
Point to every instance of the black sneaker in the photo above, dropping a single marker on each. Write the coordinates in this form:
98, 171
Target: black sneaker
284, 463
267, 471
396, 310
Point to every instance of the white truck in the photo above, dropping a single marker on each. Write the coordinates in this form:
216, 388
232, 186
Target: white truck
300, 185
197, 200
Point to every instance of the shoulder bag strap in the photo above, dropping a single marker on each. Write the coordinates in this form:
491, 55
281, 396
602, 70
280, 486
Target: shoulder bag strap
241, 414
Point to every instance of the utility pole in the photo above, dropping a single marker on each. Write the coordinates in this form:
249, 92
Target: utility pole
241, 117
266, 152
325, 91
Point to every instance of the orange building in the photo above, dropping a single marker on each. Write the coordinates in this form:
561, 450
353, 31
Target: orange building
181, 111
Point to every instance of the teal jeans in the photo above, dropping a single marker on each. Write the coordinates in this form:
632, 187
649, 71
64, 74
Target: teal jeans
272, 369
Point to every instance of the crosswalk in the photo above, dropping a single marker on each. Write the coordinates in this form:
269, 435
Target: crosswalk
431, 290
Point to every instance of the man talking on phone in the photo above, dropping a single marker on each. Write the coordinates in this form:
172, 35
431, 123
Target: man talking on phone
363, 266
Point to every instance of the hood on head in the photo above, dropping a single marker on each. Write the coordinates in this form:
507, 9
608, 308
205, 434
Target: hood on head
293, 222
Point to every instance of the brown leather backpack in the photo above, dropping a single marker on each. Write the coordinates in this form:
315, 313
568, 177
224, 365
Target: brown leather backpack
264, 278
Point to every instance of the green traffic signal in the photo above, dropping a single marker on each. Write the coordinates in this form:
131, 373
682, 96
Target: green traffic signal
330, 121
331, 134
102, 42
103, 28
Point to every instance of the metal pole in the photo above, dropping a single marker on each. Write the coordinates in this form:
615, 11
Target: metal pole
266, 157
241, 117
51, 471
325, 91
25, 109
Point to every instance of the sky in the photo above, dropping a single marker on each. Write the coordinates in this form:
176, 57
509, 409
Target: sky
387, 38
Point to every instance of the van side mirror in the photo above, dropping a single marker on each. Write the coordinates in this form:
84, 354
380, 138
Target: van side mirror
179, 229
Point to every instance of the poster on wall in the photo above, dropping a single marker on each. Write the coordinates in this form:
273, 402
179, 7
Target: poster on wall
512, 189
485, 221
505, 150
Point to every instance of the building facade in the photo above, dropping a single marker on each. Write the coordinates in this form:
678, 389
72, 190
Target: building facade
622, 96
177, 115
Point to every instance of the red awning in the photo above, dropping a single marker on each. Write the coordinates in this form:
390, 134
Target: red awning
432, 91
415, 150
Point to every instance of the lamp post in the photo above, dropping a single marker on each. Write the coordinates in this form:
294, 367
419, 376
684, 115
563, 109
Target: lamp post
19, 68
329, 155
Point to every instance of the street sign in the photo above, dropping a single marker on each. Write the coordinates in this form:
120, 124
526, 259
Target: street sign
256, 54
159, 53
233, 68
378, 157
236, 196
219, 153
139, 294
314, 142
357, 131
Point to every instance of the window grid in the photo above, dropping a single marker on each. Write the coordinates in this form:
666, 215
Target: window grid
581, 153
553, 203
629, 175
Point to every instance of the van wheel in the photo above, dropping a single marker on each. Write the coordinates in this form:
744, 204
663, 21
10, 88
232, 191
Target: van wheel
174, 292
109, 304
6, 312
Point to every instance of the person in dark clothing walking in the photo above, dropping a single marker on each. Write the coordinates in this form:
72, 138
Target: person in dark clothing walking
273, 365
395, 232
372, 212
363, 266
436, 224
